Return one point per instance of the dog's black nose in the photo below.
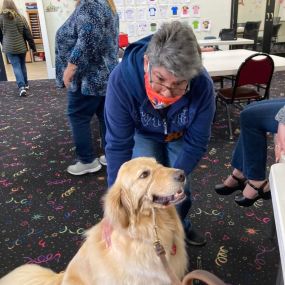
(179, 176)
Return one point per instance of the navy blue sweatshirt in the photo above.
(128, 111)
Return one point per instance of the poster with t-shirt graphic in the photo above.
(152, 11)
(139, 18)
(205, 25)
(130, 14)
(153, 27)
(150, 14)
(163, 11)
(141, 14)
(185, 11)
(195, 25)
(195, 11)
(132, 29)
(142, 28)
(174, 11)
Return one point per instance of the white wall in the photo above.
(281, 12)
(53, 13)
(252, 10)
(136, 19)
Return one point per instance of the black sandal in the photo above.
(247, 202)
(222, 189)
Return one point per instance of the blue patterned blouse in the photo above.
(88, 39)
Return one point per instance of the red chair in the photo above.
(123, 43)
(123, 40)
(252, 83)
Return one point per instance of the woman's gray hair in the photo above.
(174, 46)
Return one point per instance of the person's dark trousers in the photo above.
(18, 62)
(80, 110)
(250, 153)
(3, 75)
(166, 154)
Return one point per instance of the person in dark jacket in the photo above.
(14, 33)
(160, 103)
(86, 52)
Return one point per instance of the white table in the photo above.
(218, 42)
(277, 187)
(227, 62)
(240, 30)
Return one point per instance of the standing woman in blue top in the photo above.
(160, 103)
(86, 53)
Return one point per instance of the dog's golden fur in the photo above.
(141, 186)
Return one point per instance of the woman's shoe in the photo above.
(222, 189)
(247, 202)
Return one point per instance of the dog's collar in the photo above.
(157, 244)
(160, 251)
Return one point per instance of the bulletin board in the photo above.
(139, 18)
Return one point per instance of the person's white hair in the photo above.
(174, 46)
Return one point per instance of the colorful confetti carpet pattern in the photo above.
(45, 211)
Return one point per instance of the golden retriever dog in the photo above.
(139, 204)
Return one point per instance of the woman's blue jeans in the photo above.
(166, 154)
(80, 111)
(18, 62)
(250, 153)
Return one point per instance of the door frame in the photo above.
(268, 22)
(46, 43)
(268, 25)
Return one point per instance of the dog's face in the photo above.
(142, 183)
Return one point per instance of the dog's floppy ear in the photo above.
(115, 211)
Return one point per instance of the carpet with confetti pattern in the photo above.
(45, 210)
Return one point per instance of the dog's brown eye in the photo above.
(145, 174)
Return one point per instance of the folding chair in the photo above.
(252, 83)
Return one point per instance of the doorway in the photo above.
(264, 21)
(35, 62)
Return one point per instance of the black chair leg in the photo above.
(229, 121)
(222, 82)
(216, 101)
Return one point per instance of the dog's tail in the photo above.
(32, 275)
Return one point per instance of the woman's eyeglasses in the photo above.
(178, 90)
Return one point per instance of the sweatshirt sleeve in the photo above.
(89, 27)
(1, 27)
(198, 134)
(28, 35)
(120, 125)
(1, 36)
(280, 117)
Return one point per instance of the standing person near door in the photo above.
(86, 53)
(14, 33)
